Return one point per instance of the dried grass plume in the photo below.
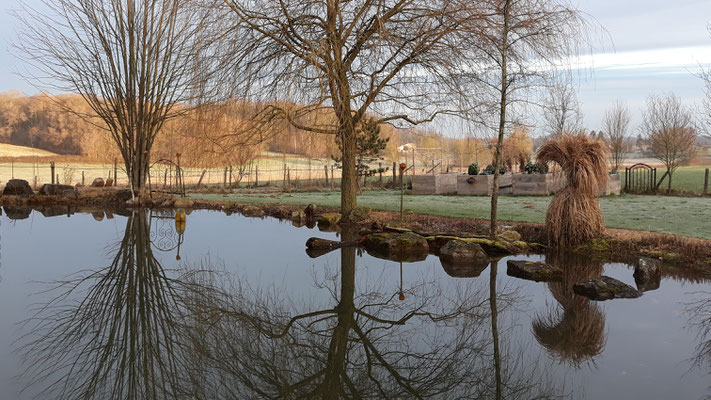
(574, 214)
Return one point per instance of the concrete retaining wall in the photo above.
(482, 185)
(613, 185)
(434, 184)
(537, 184)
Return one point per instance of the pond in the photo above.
(101, 305)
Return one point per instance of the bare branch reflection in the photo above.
(111, 332)
(369, 344)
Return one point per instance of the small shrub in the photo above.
(489, 170)
(473, 169)
(536, 168)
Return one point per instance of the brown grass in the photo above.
(575, 330)
(574, 215)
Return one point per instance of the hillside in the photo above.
(9, 150)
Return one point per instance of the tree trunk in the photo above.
(669, 180)
(502, 121)
(349, 185)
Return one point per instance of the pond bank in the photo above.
(618, 245)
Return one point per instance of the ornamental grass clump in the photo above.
(574, 215)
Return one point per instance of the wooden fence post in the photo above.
(224, 179)
(325, 170)
(256, 176)
(201, 176)
(380, 171)
(51, 167)
(115, 171)
(706, 182)
(394, 173)
(82, 178)
(288, 179)
(230, 177)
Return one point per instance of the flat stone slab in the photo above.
(605, 288)
(533, 271)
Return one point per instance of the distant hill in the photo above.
(703, 140)
(9, 150)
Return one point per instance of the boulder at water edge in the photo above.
(17, 187)
(648, 274)
(49, 189)
(533, 271)
(98, 182)
(605, 288)
(406, 246)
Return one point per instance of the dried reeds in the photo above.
(574, 215)
(574, 331)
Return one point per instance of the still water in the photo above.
(225, 307)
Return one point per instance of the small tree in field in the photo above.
(671, 135)
(132, 61)
(615, 124)
(369, 146)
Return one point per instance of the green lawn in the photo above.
(687, 179)
(676, 215)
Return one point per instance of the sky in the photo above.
(649, 47)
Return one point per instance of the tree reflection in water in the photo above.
(135, 330)
(113, 332)
(699, 314)
(573, 331)
(369, 344)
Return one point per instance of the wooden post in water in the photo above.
(706, 182)
(51, 168)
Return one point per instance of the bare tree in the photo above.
(132, 61)
(394, 59)
(615, 123)
(517, 38)
(561, 109)
(670, 131)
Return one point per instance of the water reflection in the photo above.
(113, 332)
(699, 314)
(574, 330)
(136, 330)
(415, 342)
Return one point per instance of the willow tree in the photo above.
(521, 42)
(132, 61)
(394, 59)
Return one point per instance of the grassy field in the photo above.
(9, 150)
(686, 179)
(675, 215)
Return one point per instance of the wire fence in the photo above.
(165, 175)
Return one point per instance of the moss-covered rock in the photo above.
(183, 202)
(328, 219)
(648, 274)
(252, 211)
(461, 252)
(407, 246)
(510, 235)
(358, 214)
(491, 247)
(533, 271)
